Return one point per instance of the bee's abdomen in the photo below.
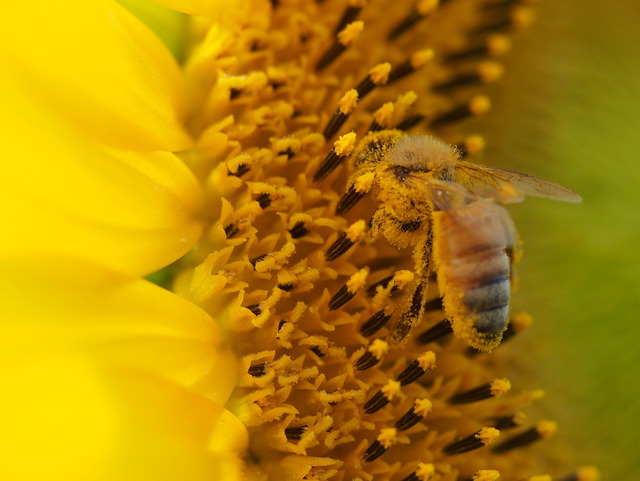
(480, 292)
(490, 302)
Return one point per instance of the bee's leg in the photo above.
(400, 233)
(413, 308)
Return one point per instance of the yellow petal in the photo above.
(66, 196)
(99, 68)
(101, 377)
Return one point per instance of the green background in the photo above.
(569, 110)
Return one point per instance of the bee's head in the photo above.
(420, 154)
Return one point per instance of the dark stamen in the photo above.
(348, 200)
(373, 288)
(255, 260)
(330, 55)
(366, 361)
(317, 350)
(374, 451)
(337, 120)
(408, 420)
(349, 15)
(257, 370)
(433, 305)
(508, 422)
(463, 80)
(523, 439)
(374, 323)
(410, 122)
(231, 230)
(377, 402)
(406, 24)
(339, 247)
(295, 434)
(264, 200)
(298, 230)
(255, 308)
(412, 372)
(440, 330)
(340, 298)
(459, 113)
(330, 162)
(464, 445)
(472, 395)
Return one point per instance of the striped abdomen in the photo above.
(470, 246)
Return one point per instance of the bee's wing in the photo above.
(445, 195)
(507, 186)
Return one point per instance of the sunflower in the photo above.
(271, 357)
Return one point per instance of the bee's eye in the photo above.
(401, 172)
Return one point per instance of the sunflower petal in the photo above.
(64, 195)
(101, 375)
(99, 68)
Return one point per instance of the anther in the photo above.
(480, 438)
(346, 106)
(508, 422)
(381, 445)
(374, 323)
(409, 66)
(375, 352)
(346, 36)
(478, 105)
(341, 148)
(485, 475)
(350, 14)
(382, 397)
(257, 370)
(491, 389)
(298, 230)
(295, 433)
(417, 368)
(423, 472)
(584, 473)
(422, 10)
(414, 415)
(542, 430)
(440, 330)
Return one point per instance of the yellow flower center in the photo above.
(286, 99)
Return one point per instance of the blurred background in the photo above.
(569, 110)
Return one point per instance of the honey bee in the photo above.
(448, 211)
